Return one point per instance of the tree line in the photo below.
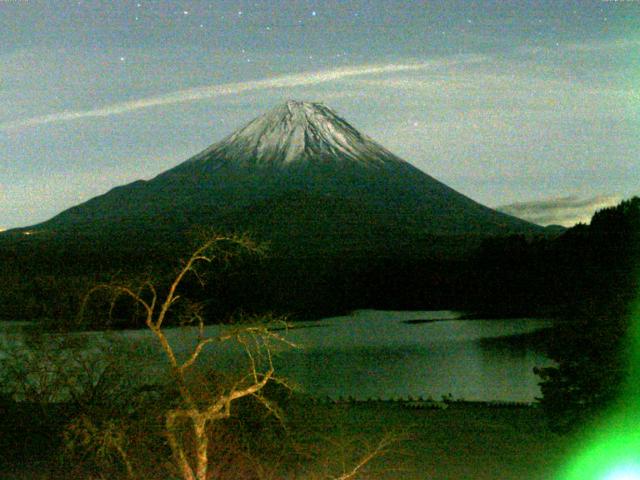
(44, 278)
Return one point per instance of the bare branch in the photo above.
(259, 385)
(379, 450)
(196, 352)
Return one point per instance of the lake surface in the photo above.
(378, 354)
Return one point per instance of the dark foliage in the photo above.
(80, 439)
(44, 278)
(590, 345)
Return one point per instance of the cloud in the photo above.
(213, 91)
(484, 81)
(565, 211)
(606, 45)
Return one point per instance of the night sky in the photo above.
(529, 106)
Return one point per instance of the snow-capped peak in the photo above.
(297, 132)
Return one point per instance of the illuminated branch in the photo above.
(380, 449)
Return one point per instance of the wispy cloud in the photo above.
(485, 80)
(565, 211)
(599, 46)
(213, 91)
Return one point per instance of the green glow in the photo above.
(626, 472)
(613, 450)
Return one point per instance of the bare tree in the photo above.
(257, 340)
(189, 423)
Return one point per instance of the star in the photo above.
(186, 12)
(313, 14)
(122, 59)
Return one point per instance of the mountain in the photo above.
(299, 176)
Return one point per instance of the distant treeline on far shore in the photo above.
(46, 278)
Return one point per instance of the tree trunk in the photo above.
(183, 465)
(202, 446)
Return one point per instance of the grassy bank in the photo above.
(464, 441)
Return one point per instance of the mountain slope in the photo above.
(296, 174)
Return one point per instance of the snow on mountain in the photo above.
(298, 132)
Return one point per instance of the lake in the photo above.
(378, 354)
(374, 354)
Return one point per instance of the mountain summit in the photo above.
(298, 132)
(299, 176)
